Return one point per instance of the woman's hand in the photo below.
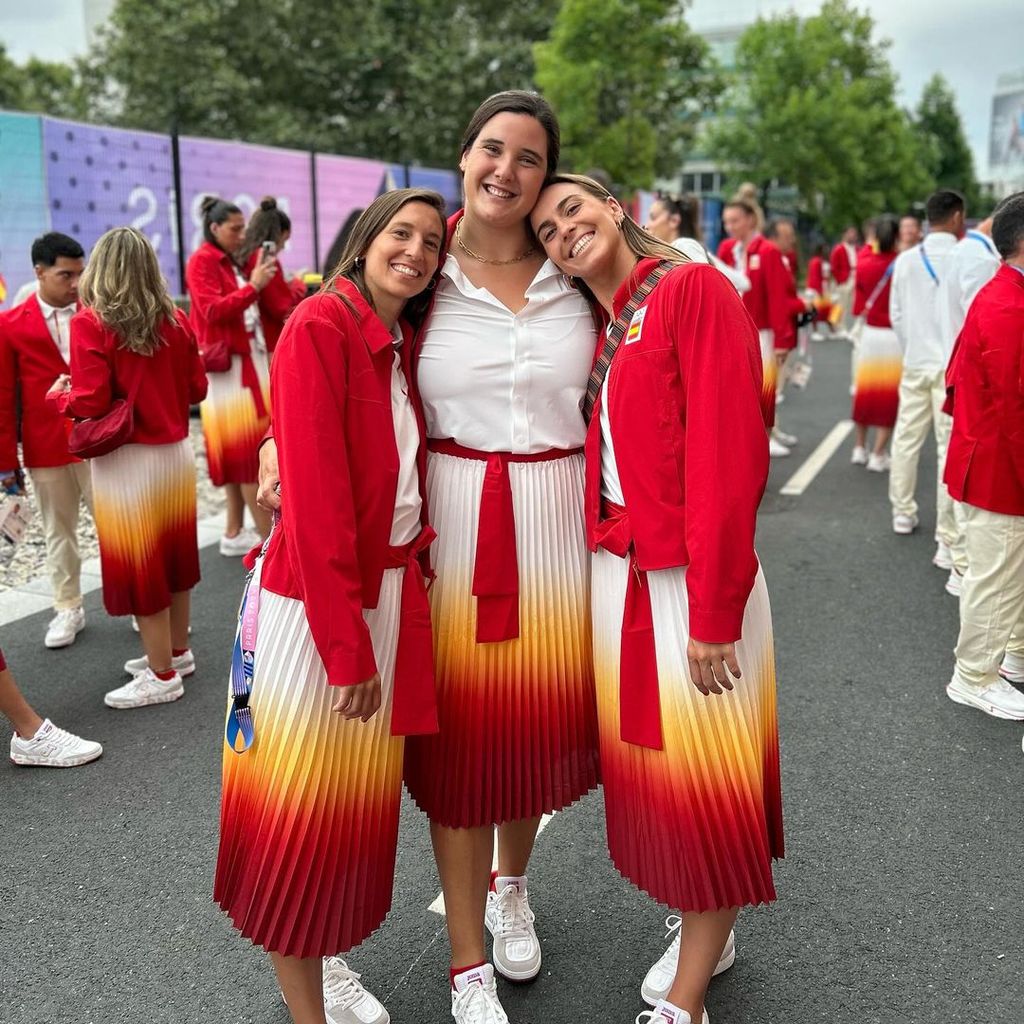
(711, 664)
(262, 273)
(59, 386)
(269, 494)
(360, 701)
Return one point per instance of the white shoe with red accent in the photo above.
(659, 978)
(183, 664)
(943, 557)
(52, 747)
(954, 584)
(144, 689)
(1012, 668)
(999, 699)
(346, 1001)
(475, 998)
(510, 921)
(666, 1013)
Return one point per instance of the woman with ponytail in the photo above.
(225, 318)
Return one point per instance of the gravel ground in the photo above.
(29, 560)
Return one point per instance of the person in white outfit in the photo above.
(973, 263)
(914, 307)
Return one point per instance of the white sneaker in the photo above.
(510, 920)
(943, 557)
(53, 748)
(904, 524)
(183, 664)
(659, 978)
(859, 455)
(783, 438)
(879, 462)
(1012, 667)
(662, 1014)
(954, 585)
(64, 627)
(145, 689)
(776, 449)
(1000, 699)
(475, 998)
(241, 544)
(345, 999)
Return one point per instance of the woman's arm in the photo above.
(91, 391)
(197, 381)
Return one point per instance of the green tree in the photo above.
(950, 161)
(813, 106)
(42, 87)
(630, 82)
(392, 79)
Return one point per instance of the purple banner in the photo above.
(101, 178)
(243, 174)
(345, 186)
(448, 183)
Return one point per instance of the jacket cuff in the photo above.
(347, 668)
(716, 627)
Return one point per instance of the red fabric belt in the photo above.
(251, 380)
(496, 564)
(414, 703)
(639, 697)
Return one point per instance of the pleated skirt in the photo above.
(697, 824)
(518, 720)
(231, 428)
(876, 391)
(309, 813)
(144, 503)
(770, 375)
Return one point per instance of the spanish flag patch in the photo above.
(636, 326)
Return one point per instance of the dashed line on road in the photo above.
(816, 461)
(437, 906)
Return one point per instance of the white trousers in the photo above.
(922, 394)
(60, 491)
(992, 599)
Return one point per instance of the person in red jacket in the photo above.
(131, 343)
(336, 622)
(271, 227)
(879, 364)
(843, 261)
(767, 302)
(819, 281)
(985, 471)
(226, 320)
(676, 465)
(35, 340)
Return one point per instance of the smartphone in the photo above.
(269, 250)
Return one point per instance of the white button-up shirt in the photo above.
(499, 381)
(405, 525)
(973, 263)
(915, 300)
(58, 321)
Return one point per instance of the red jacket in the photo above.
(278, 298)
(102, 371)
(816, 275)
(330, 388)
(840, 263)
(684, 407)
(30, 361)
(871, 268)
(218, 305)
(985, 460)
(770, 299)
(725, 248)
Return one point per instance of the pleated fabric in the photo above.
(697, 824)
(518, 720)
(144, 503)
(231, 428)
(309, 813)
(770, 375)
(876, 395)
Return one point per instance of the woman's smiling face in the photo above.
(579, 232)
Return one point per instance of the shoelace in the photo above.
(673, 923)
(649, 1017)
(515, 912)
(55, 741)
(473, 1006)
(341, 985)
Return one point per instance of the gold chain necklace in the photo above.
(480, 259)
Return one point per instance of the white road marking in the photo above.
(815, 463)
(437, 906)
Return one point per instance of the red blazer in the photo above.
(684, 407)
(102, 371)
(985, 460)
(816, 275)
(840, 262)
(871, 268)
(278, 298)
(30, 361)
(330, 389)
(725, 248)
(770, 299)
(218, 305)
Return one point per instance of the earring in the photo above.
(358, 262)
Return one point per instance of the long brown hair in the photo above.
(267, 224)
(372, 221)
(123, 284)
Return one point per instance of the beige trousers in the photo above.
(60, 490)
(992, 599)
(959, 549)
(922, 394)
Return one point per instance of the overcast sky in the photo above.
(970, 41)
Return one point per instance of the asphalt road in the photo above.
(900, 899)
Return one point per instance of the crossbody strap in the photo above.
(879, 288)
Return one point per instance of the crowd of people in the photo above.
(519, 405)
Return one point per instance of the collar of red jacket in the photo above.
(632, 282)
(376, 334)
(1012, 274)
(216, 252)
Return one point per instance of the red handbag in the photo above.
(217, 357)
(101, 435)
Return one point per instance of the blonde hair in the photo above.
(746, 199)
(122, 283)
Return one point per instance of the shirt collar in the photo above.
(940, 241)
(62, 311)
(541, 282)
